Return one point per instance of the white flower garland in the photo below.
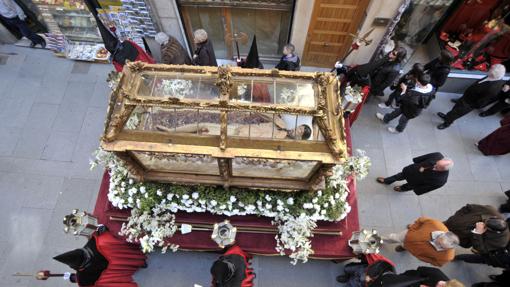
(153, 205)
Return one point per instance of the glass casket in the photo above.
(226, 126)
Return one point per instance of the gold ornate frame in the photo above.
(326, 114)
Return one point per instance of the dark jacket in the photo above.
(173, 53)
(438, 72)
(479, 95)
(464, 221)
(430, 275)
(413, 102)
(384, 75)
(289, 63)
(204, 55)
(428, 180)
(391, 279)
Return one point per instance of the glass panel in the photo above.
(179, 163)
(295, 93)
(253, 90)
(419, 20)
(178, 86)
(268, 168)
(248, 124)
(211, 20)
(271, 27)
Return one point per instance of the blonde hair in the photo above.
(200, 36)
(454, 283)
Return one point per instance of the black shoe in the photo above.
(441, 115)
(342, 279)
(454, 101)
(32, 45)
(400, 248)
(43, 44)
(443, 126)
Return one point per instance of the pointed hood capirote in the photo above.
(253, 60)
(74, 259)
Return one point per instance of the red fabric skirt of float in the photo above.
(325, 246)
(124, 260)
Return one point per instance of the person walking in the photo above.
(503, 103)
(428, 172)
(289, 61)
(439, 68)
(409, 80)
(478, 95)
(481, 227)
(204, 52)
(172, 52)
(14, 15)
(388, 69)
(426, 239)
(412, 102)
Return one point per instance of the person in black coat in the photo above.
(439, 68)
(428, 172)
(87, 261)
(289, 61)
(503, 103)
(204, 52)
(430, 275)
(386, 71)
(409, 79)
(412, 102)
(478, 95)
(479, 226)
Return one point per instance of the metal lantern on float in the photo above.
(365, 242)
(351, 99)
(224, 234)
(80, 223)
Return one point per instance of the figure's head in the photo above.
(288, 49)
(447, 240)
(161, 38)
(377, 269)
(200, 36)
(496, 224)
(398, 54)
(497, 72)
(444, 164)
(417, 69)
(302, 132)
(422, 80)
(222, 271)
(446, 57)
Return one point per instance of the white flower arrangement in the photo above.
(153, 205)
(175, 88)
(353, 94)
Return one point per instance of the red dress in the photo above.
(142, 57)
(124, 260)
(498, 142)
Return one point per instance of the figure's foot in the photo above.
(380, 116)
(400, 248)
(454, 101)
(441, 115)
(32, 45)
(342, 279)
(393, 130)
(443, 126)
(397, 188)
(380, 180)
(383, 106)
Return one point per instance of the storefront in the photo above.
(228, 21)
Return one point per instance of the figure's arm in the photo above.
(191, 128)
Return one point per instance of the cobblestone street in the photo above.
(51, 118)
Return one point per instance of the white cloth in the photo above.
(9, 9)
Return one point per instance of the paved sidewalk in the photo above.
(52, 115)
